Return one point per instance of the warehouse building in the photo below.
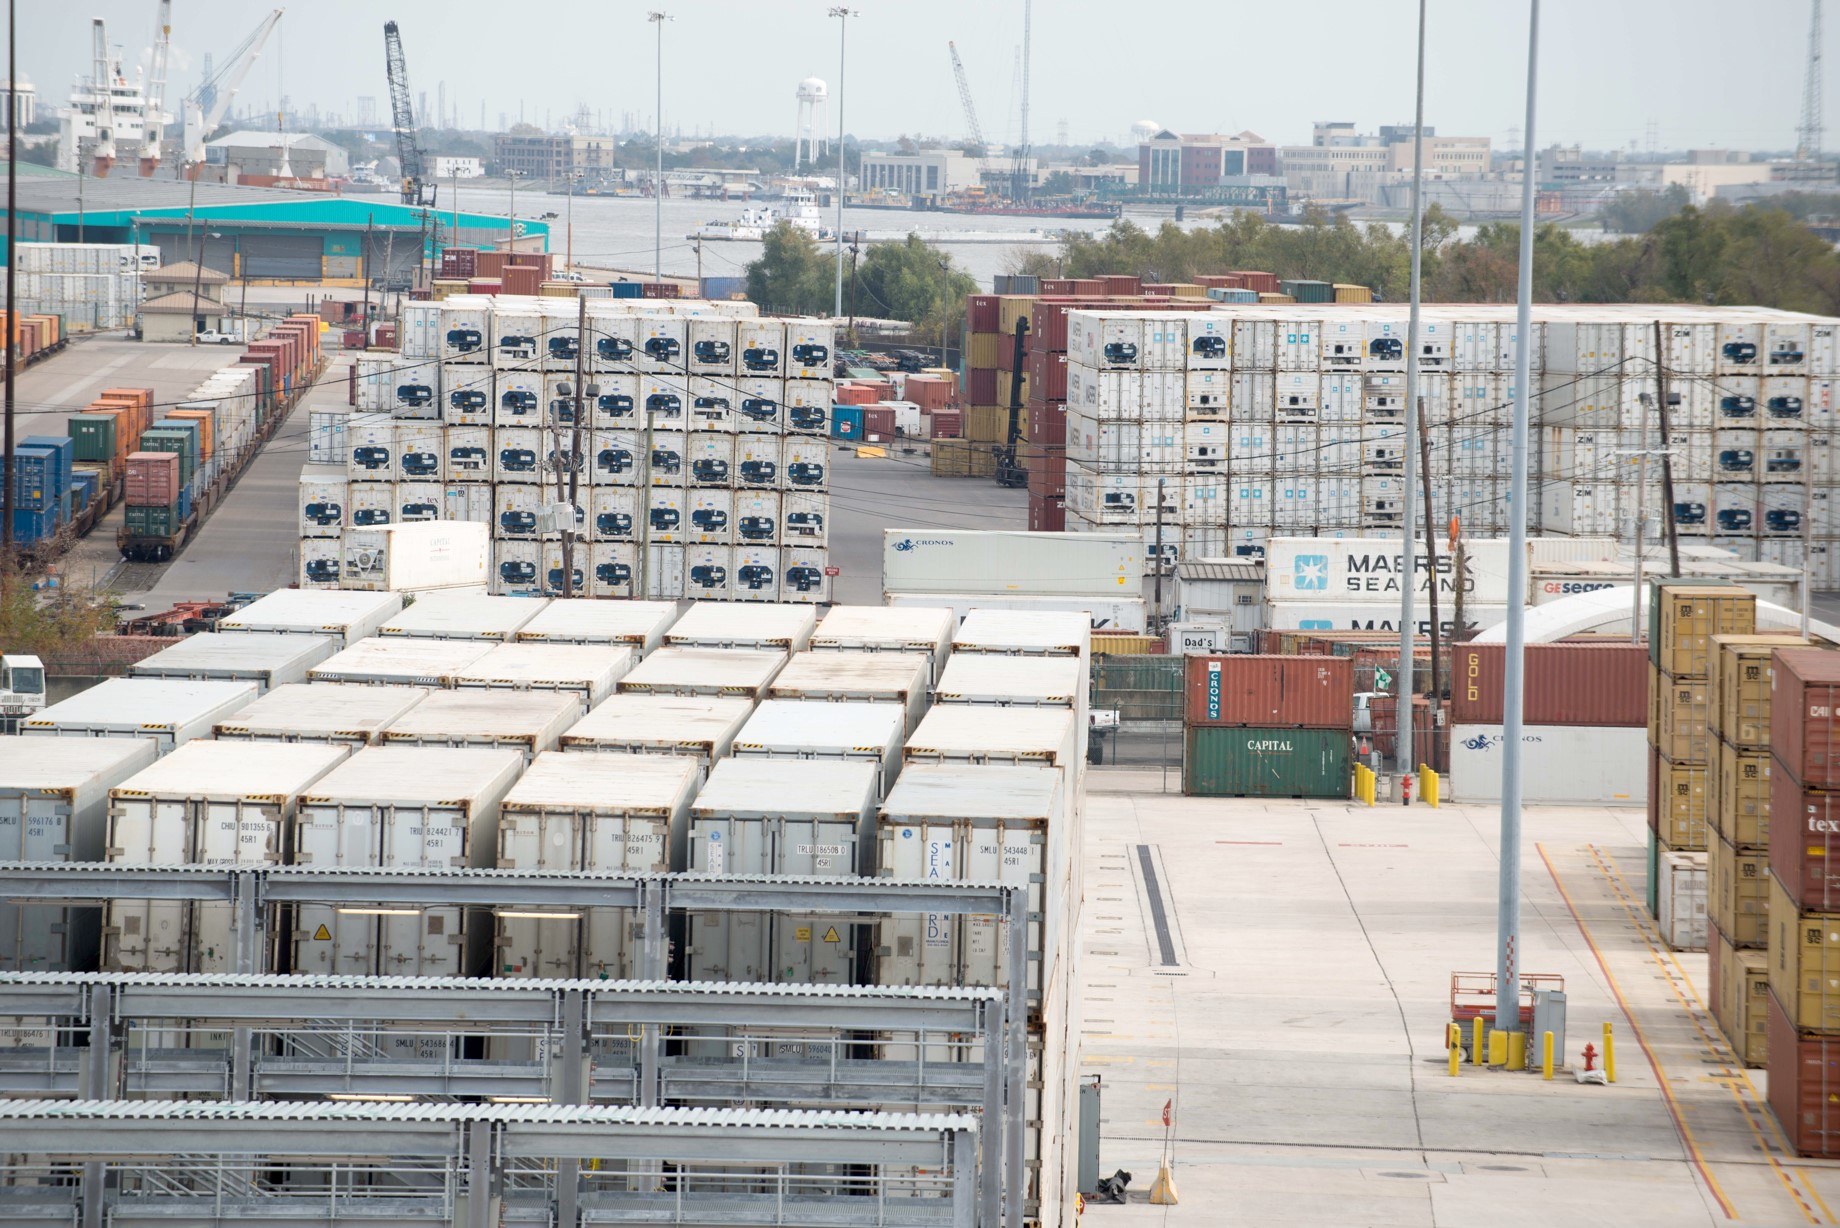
(262, 235)
(262, 157)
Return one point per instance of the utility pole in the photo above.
(1636, 621)
(365, 322)
(12, 265)
(698, 244)
(1667, 459)
(568, 531)
(851, 331)
(658, 19)
(1408, 533)
(1514, 666)
(1158, 594)
(843, 16)
(1424, 450)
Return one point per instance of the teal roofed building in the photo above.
(257, 234)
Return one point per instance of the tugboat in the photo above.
(799, 210)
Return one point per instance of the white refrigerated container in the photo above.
(345, 713)
(701, 728)
(638, 625)
(529, 721)
(587, 671)
(827, 730)
(876, 677)
(170, 711)
(874, 628)
(995, 679)
(787, 628)
(345, 616)
(464, 616)
(672, 670)
(426, 556)
(1019, 632)
(267, 660)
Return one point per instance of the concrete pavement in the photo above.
(1299, 1030)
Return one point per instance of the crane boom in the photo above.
(199, 121)
(104, 151)
(154, 126)
(402, 116)
(971, 119)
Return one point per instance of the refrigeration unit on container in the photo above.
(782, 817)
(267, 660)
(827, 730)
(588, 671)
(1024, 633)
(415, 807)
(54, 804)
(618, 814)
(400, 660)
(171, 712)
(705, 671)
(786, 628)
(529, 721)
(877, 677)
(1599, 765)
(700, 728)
(211, 803)
(1006, 681)
(1001, 561)
(869, 628)
(422, 557)
(464, 616)
(345, 713)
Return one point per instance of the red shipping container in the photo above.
(522, 281)
(1804, 1090)
(1047, 515)
(855, 394)
(1804, 730)
(981, 310)
(1805, 842)
(1278, 692)
(1048, 327)
(1089, 286)
(1048, 376)
(931, 391)
(484, 285)
(153, 478)
(1566, 684)
(1047, 470)
(981, 386)
(1264, 283)
(945, 424)
(1055, 285)
(1120, 283)
(878, 422)
(1048, 423)
(459, 262)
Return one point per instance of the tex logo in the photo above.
(1310, 573)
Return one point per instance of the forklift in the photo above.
(1010, 472)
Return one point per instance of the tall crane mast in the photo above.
(402, 117)
(204, 109)
(104, 151)
(1019, 187)
(154, 124)
(971, 119)
(1808, 132)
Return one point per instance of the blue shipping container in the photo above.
(36, 487)
(724, 287)
(846, 422)
(86, 485)
(63, 446)
(30, 528)
(627, 289)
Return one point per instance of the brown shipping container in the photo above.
(1690, 615)
(1047, 515)
(1805, 842)
(1804, 732)
(1741, 795)
(1804, 1085)
(153, 478)
(1268, 692)
(1048, 375)
(1679, 801)
(1738, 893)
(981, 312)
(1682, 717)
(878, 422)
(1739, 984)
(1566, 684)
(1741, 677)
(1120, 283)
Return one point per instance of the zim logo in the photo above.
(1310, 573)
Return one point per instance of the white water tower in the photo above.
(808, 139)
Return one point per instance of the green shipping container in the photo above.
(1309, 291)
(93, 436)
(1654, 874)
(155, 521)
(1267, 763)
(185, 443)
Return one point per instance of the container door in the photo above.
(34, 939)
(432, 942)
(149, 935)
(328, 941)
(230, 834)
(729, 946)
(915, 949)
(537, 946)
(620, 843)
(818, 949)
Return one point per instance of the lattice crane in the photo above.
(971, 119)
(415, 189)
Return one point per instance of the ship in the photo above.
(1089, 211)
(800, 211)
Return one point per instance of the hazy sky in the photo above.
(1705, 73)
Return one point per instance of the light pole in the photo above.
(658, 19)
(511, 218)
(1408, 592)
(843, 16)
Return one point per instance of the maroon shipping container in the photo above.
(1047, 468)
(1252, 279)
(981, 313)
(1805, 842)
(1055, 285)
(1047, 515)
(484, 285)
(459, 262)
(945, 424)
(1804, 732)
(152, 478)
(522, 281)
(981, 386)
(1048, 422)
(1566, 684)
(1120, 283)
(1048, 326)
(1294, 692)
(1048, 376)
(878, 422)
(1804, 1090)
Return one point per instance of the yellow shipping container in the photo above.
(989, 424)
(1740, 695)
(1116, 644)
(1188, 289)
(981, 351)
(962, 458)
(1738, 893)
(1741, 998)
(1682, 719)
(1352, 294)
(1741, 795)
(1011, 308)
(1804, 959)
(1682, 811)
(1691, 615)
(1266, 297)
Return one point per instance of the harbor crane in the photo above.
(415, 189)
(153, 130)
(971, 119)
(221, 89)
(104, 150)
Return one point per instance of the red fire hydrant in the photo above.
(1405, 789)
(1590, 1056)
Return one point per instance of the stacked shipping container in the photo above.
(1268, 726)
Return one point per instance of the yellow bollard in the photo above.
(1546, 1056)
(1609, 1055)
(1476, 1054)
(1498, 1048)
(1456, 1049)
(1517, 1050)
(1428, 786)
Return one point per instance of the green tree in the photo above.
(912, 281)
(790, 275)
(1060, 183)
(1634, 213)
